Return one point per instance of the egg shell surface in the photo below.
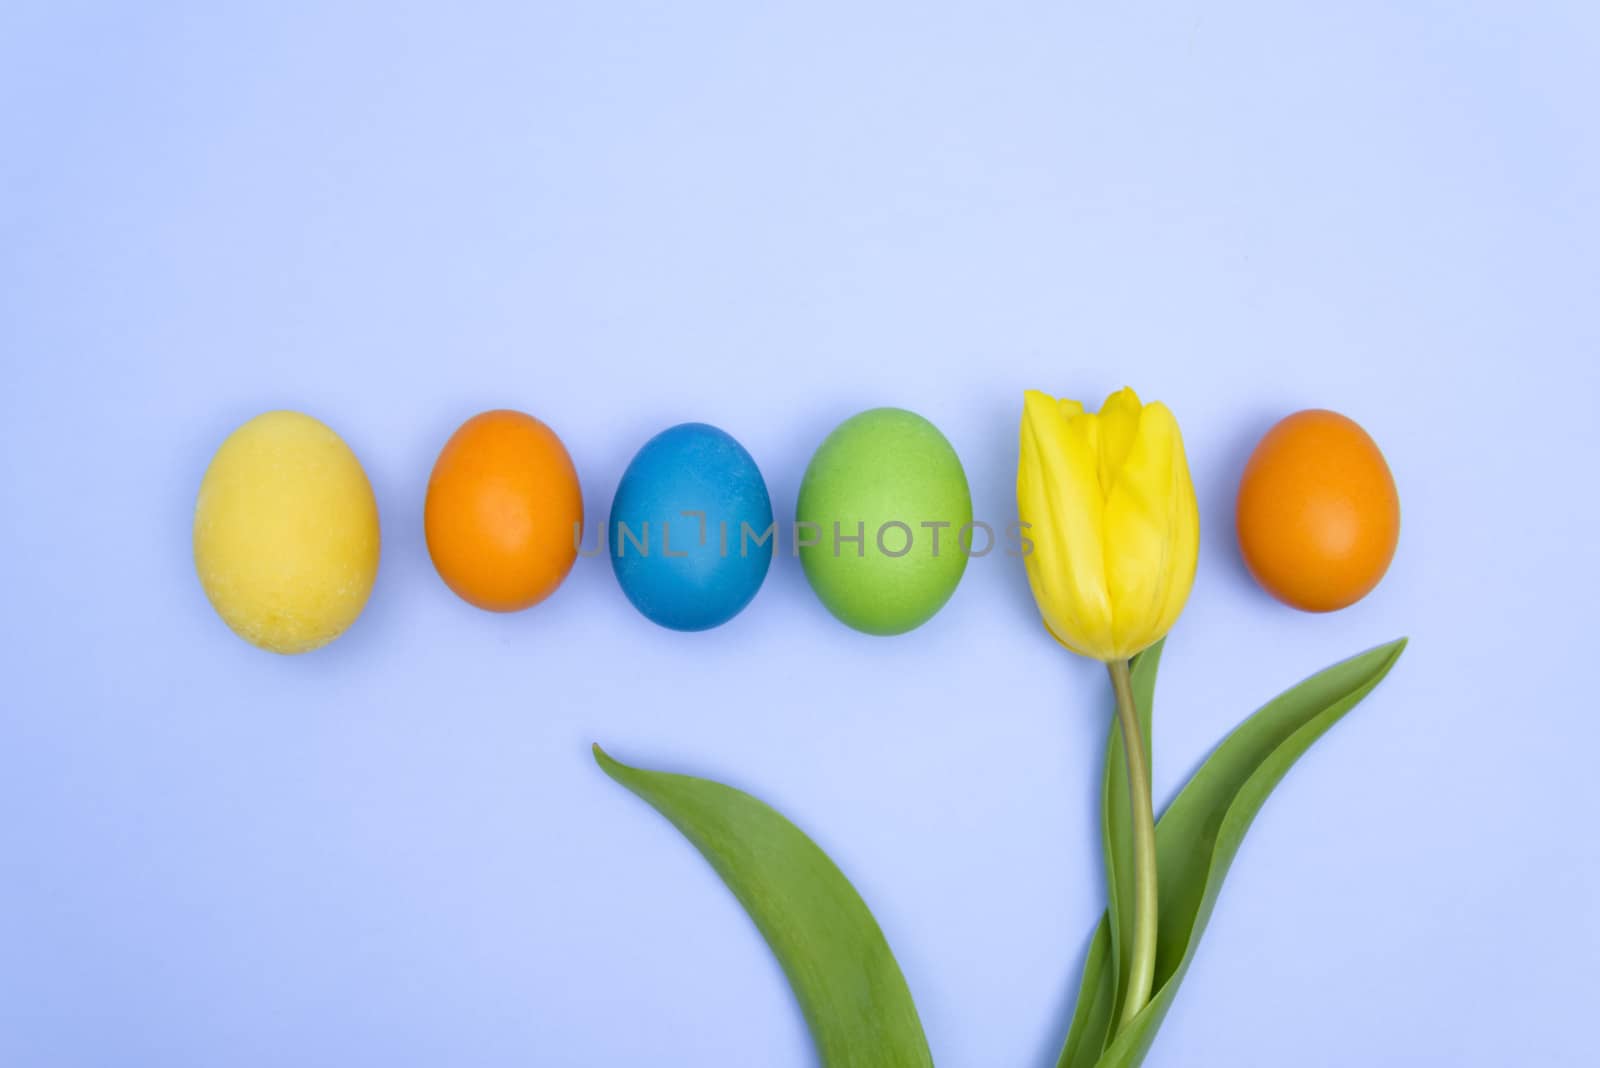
(678, 571)
(504, 511)
(286, 538)
(1318, 513)
(882, 475)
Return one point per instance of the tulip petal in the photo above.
(1153, 531)
(1042, 457)
(1119, 428)
(1058, 494)
(1184, 529)
(1137, 527)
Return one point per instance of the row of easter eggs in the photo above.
(286, 530)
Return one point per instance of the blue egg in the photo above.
(691, 533)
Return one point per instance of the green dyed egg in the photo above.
(879, 527)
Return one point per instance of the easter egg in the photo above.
(691, 533)
(286, 533)
(504, 512)
(883, 523)
(1318, 514)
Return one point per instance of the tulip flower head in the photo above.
(1112, 516)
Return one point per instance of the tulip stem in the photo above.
(1142, 962)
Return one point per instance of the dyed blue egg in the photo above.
(691, 532)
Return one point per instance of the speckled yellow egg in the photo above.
(286, 533)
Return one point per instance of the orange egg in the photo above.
(1318, 514)
(504, 512)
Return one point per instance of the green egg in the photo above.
(884, 521)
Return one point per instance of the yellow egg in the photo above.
(286, 533)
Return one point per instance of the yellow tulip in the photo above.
(1108, 506)
(1112, 516)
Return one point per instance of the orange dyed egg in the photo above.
(1318, 514)
(504, 513)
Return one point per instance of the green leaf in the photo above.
(1198, 836)
(850, 989)
(1092, 1013)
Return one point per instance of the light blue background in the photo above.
(397, 851)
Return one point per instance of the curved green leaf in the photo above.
(1091, 1014)
(1199, 834)
(852, 993)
